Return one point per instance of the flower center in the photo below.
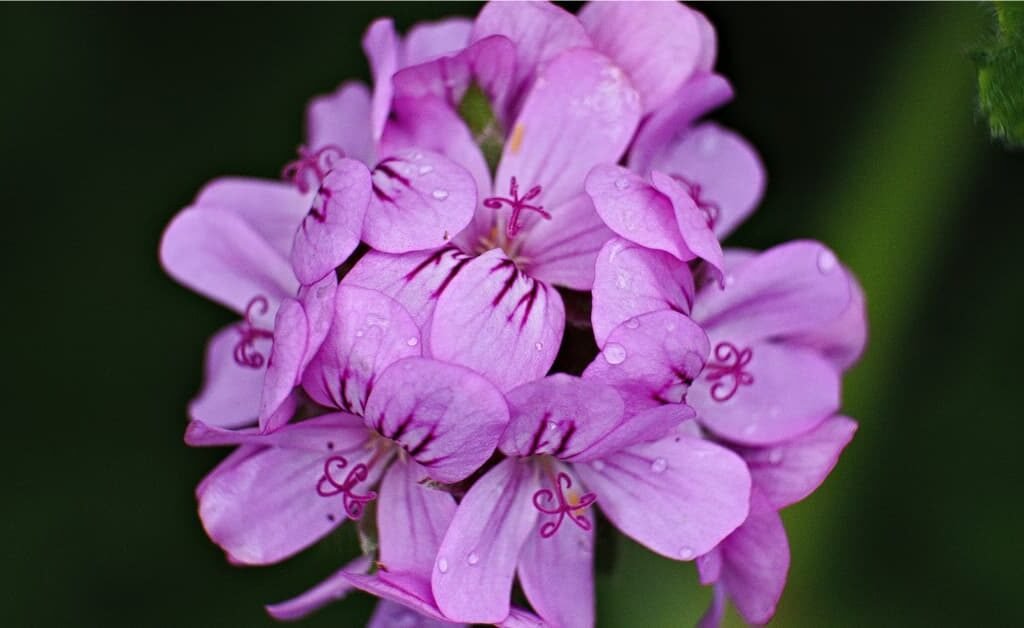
(330, 485)
(518, 204)
(710, 208)
(311, 165)
(727, 370)
(555, 502)
(245, 352)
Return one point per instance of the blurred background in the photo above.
(113, 116)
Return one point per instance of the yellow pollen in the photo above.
(516, 140)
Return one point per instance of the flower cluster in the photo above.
(525, 192)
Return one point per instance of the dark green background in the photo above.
(113, 116)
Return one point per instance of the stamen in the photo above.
(710, 208)
(329, 486)
(727, 372)
(245, 352)
(317, 163)
(517, 204)
(554, 503)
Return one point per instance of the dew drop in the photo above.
(360, 333)
(440, 194)
(775, 456)
(826, 261)
(622, 183)
(598, 465)
(412, 342)
(686, 553)
(442, 565)
(425, 169)
(614, 353)
(729, 280)
(659, 465)
(473, 558)
(632, 323)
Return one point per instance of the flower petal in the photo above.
(787, 473)
(330, 590)
(643, 427)
(559, 415)
(430, 40)
(498, 321)
(231, 392)
(330, 231)
(390, 614)
(708, 43)
(420, 201)
(713, 616)
(557, 572)
(403, 589)
(842, 341)
(519, 618)
(220, 256)
(625, 31)
(411, 520)
(651, 359)
(692, 221)
(447, 417)
(342, 119)
(722, 167)
(369, 332)
(631, 280)
(383, 48)
(562, 251)
(472, 578)
(291, 338)
(586, 117)
(790, 289)
(780, 392)
(680, 496)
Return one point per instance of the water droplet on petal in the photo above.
(729, 280)
(473, 558)
(360, 333)
(538, 346)
(440, 194)
(775, 456)
(426, 169)
(826, 261)
(659, 465)
(686, 553)
(622, 183)
(632, 323)
(614, 353)
(412, 342)
(598, 465)
(442, 565)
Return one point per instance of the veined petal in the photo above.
(420, 201)
(430, 40)
(230, 396)
(330, 231)
(581, 112)
(498, 321)
(291, 338)
(763, 393)
(651, 359)
(842, 341)
(369, 332)
(447, 417)
(791, 289)
(411, 520)
(557, 572)
(787, 473)
(220, 256)
(631, 280)
(342, 119)
(642, 427)
(472, 578)
(559, 415)
(390, 614)
(692, 220)
(407, 590)
(680, 496)
(330, 590)
(562, 251)
(383, 49)
(625, 32)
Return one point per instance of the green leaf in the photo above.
(1001, 74)
(475, 109)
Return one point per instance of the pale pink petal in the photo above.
(627, 33)
(519, 618)
(562, 251)
(430, 40)
(330, 590)
(708, 43)
(383, 48)
(407, 590)
(643, 427)
(447, 417)
(680, 496)
(231, 392)
(712, 618)
(631, 280)
(472, 578)
(498, 321)
(693, 221)
(291, 338)
(411, 520)
(342, 119)
(394, 615)
(842, 341)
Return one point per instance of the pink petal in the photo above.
(581, 112)
(643, 427)
(330, 231)
(723, 166)
(625, 31)
(790, 289)
(291, 337)
(430, 40)
(318, 304)
(231, 392)
(472, 577)
(708, 43)
(420, 201)
(842, 341)
(787, 473)
(220, 256)
(651, 359)
(406, 590)
(557, 572)
(391, 614)
(790, 390)
(519, 618)
(559, 415)
(411, 520)
(330, 590)
(447, 417)
(369, 332)
(692, 220)
(562, 251)
(342, 119)
(522, 320)
(680, 496)
(631, 280)
(382, 48)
